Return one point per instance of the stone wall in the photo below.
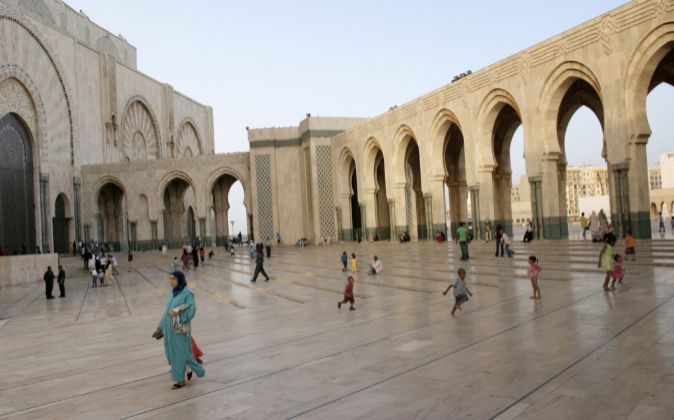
(21, 269)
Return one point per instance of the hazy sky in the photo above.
(268, 63)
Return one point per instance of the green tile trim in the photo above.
(640, 223)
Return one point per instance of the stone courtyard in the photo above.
(282, 349)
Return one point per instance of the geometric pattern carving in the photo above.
(606, 34)
(188, 144)
(14, 16)
(106, 45)
(325, 196)
(264, 196)
(138, 124)
(14, 98)
(39, 8)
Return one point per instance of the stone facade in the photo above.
(76, 88)
(125, 159)
(608, 64)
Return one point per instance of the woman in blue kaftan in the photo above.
(175, 325)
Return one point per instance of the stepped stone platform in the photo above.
(283, 350)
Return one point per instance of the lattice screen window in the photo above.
(264, 196)
(325, 197)
(409, 217)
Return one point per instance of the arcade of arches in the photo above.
(129, 175)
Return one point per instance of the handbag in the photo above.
(177, 326)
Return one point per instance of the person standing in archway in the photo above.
(462, 236)
(49, 283)
(240, 237)
(661, 228)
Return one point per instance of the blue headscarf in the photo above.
(181, 282)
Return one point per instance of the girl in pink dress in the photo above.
(534, 269)
(618, 273)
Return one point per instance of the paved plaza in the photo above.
(282, 349)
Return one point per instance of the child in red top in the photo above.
(618, 273)
(348, 295)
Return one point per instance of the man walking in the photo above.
(259, 266)
(61, 279)
(462, 236)
(49, 283)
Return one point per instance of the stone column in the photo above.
(435, 207)
(428, 207)
(551, 198)
(363, 223)
(338, 220)
(392, 218)
(638, 188)
(44, 213)
(475, 210)
(77, 187)
(202, 230)
(154, 234)
(370, 223)
(536, 192)
(400, 220)
(620, 198)
(347, 220)
(486, 201)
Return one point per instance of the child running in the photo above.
(534, 269)
(354, 264)
(630, 252)
(618, 273)
(461, 291)
(345, 260)
(606, 259)
(348, 295)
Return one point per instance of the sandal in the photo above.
(177, 385)
(189, 376)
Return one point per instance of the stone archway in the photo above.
(507, 121)
(178, 198)
(454, 159)
(220, 201)
(111, 215)
(356, 216)
(415, 215)
(17, 217)
(381, 198)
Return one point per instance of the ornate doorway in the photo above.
(17, 207)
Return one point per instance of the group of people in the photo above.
(597, 224)
(5, 251)
(611, 262)
(102, 267)
(49, 282)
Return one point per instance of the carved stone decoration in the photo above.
(11, 14)
(606, 33)
(139, 124)
(189, 142)
(39, 8)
